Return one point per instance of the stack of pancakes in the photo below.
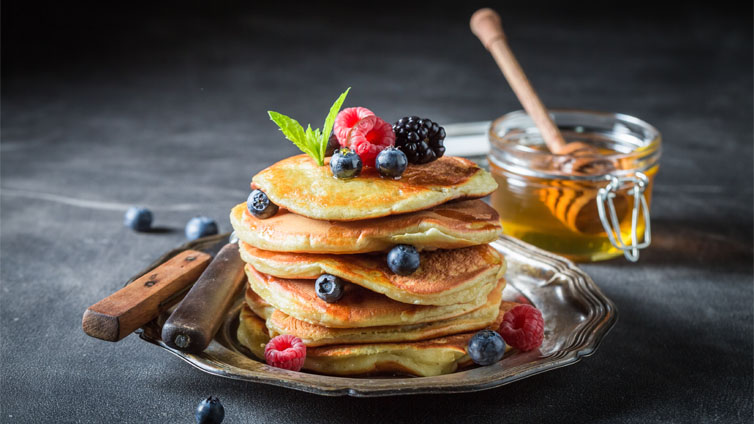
(418, 324)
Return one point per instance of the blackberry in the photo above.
(420, 139)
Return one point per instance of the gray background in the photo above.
(164, 106)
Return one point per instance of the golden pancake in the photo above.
(447, 226)
(423, 358)
(301, 186)
(358, 307)
(252, 332)
(279, 322)
(443, 278)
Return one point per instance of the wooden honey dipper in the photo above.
(575, 206)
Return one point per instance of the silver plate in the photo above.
(577, 316)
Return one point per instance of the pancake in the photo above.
(447, 226)
(424, 358)
(278, 322)
(444, 277)
(301, 186)
(358, 307)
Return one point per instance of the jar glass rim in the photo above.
(650, 142)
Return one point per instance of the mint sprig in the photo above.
(312, 142)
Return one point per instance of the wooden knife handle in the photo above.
(197, 318)
(119, 314)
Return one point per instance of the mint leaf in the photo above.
(312, 142)
(330, 121)
(293, 131)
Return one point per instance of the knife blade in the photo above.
(142, 299)
(195, 320)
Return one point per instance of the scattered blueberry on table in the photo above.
(486, 347)
(260, 205)
(138, 218)
(391, 162)
(345, 164)
(200, 226)
(209, 411)
(403, 259)
(329, 288)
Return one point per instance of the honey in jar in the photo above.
(542, 203)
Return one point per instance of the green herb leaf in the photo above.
(312, 142)
(330, 121)
(293, 131)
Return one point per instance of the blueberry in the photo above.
(391, 162)
(345, 164)
(486, 347)
(200, 226)
(329, 288)
(138, 218)
(403, 259)
(260, 206)
(209, 411)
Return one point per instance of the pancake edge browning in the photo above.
(435, 286)
(448, 226)
(278, 322)
(423, 358)
(298, 184)
(288, 296)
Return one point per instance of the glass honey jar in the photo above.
(584, 216)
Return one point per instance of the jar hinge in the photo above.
(612, 224)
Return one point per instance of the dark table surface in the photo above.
(165, 107)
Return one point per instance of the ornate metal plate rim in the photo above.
(223, 358)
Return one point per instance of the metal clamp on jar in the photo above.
(583, 216)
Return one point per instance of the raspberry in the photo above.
(285, 351)
(369, 137)
(523, 327)
(523, 300)
(346, 119)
